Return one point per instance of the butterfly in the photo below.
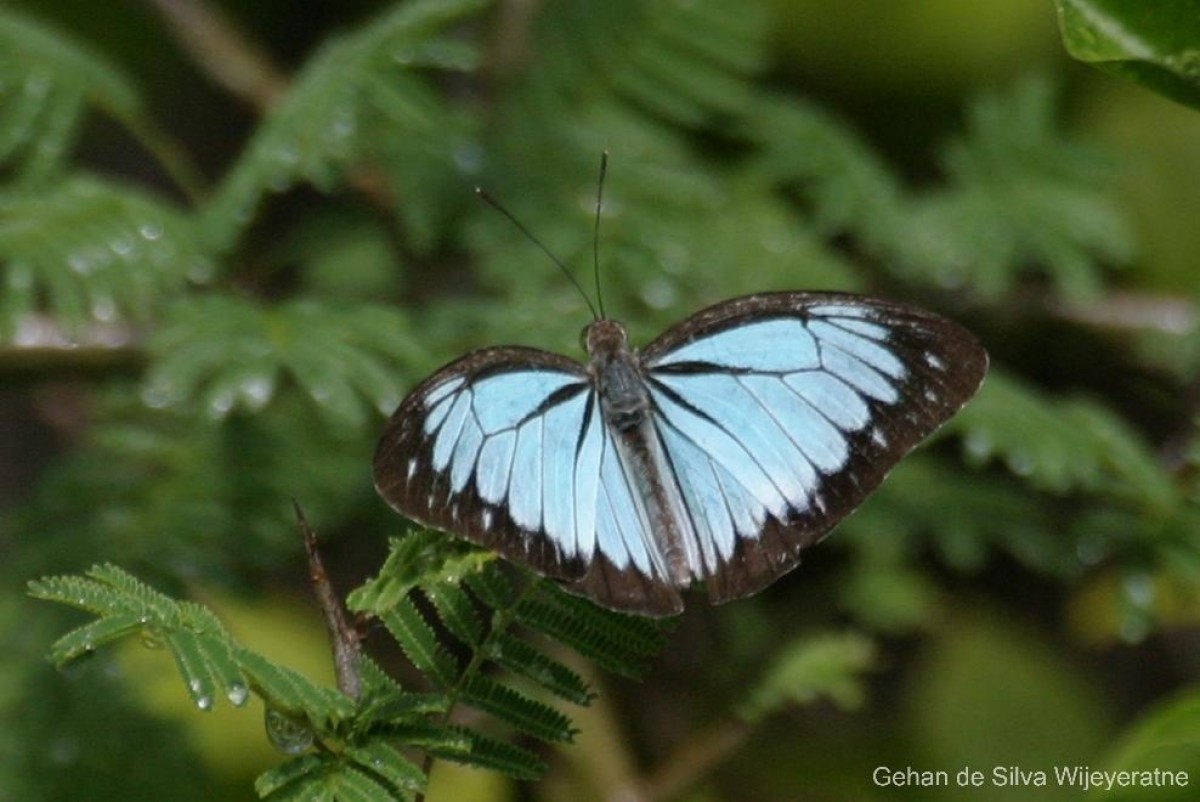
(716, 454)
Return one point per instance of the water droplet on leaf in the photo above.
(287, 734)
(238, 693)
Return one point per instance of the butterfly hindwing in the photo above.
(781, 412)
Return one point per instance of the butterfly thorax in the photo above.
(617, 375)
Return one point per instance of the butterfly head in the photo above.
(605, 338)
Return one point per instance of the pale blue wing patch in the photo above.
(561, 427)
(585, 484)
(525, 496)
(621, 526)
(781, 344)
(864, 349)
(494, 466)
(725, 449)
(730, 404)
(502, 401)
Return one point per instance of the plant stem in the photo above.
(227, 55)
(342, 637)
(690, 761)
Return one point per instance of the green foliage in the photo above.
(274, 319)
(1019, 197)
(358, 742)
(1061, 445)
(819, 666)
(352, 96)
(1165, 738)
(202, 648)
(49, 81)
(89, 251)
(1152, 44)
(229, 354)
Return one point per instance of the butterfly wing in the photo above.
(506, 447)
(779, 413)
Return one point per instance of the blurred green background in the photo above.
(226, 252)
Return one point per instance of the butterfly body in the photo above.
(718, 453)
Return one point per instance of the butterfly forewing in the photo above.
(771, 418)
(781, 412)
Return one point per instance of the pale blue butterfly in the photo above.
(716, 454)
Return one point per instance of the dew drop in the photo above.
(660, 294)
(220, 404)
(469, 158)
(152, 638)
(121, 246)
(979, 445)
(150, 231)
(104, 309)
(205, 703)
(289, 735)
(1139, 589)
(158, 395)
(344, 127)
(237, 694)
(80, 264)
(257, 390)
(1020, 463)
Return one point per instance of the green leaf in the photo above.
(472, 749)
(1060, 445)
(455, 610)
(335, 782)
(202, 649)
(49, 79)
(521, 658)
(358, 89)
(420, 644)
(377, 757)
(619, 643)
(811, 668)
(291, 692)
(296, 772)
(1167, 739)
(1021, 198)
(83, 641)
(91, 252)
(1155, 44)
(422, 557)
(232, 354)
(533, 718)
(686, 62)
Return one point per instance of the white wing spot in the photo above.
(412, 468)
(878, 437)
(486, 519)
(934, 362)
(930, 396)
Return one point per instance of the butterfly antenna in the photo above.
(495, 204)
(596, 229)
